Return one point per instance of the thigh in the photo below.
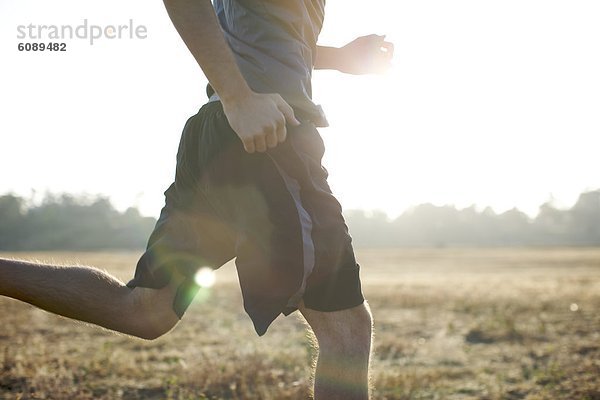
(190, 232)
(273, 255)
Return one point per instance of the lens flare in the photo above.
(205, 277)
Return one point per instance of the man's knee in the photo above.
(152, 313)
(151, 329)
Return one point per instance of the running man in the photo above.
(249, 185)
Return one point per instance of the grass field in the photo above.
(449, 324)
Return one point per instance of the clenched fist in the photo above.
(259, 120)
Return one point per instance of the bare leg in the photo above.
(344, 339)
(90, 295)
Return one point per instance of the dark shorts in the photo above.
(274, 212)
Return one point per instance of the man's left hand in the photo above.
(366, 55)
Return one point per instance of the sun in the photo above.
(205, 277)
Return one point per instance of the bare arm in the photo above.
(366, 54)
(258, 119)
(197, 24)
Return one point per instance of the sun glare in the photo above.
(205, 277)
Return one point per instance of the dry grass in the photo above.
(450, 324)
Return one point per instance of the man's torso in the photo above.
(274, 42)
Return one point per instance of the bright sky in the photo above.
(489, 103)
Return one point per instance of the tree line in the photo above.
(67, 222)
(428, 225)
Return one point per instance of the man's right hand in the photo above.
(259, 120)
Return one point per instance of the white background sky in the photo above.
(489, 103)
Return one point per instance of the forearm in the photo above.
(197, 24)
(328, 58)
(364, 55)
(259, 119)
